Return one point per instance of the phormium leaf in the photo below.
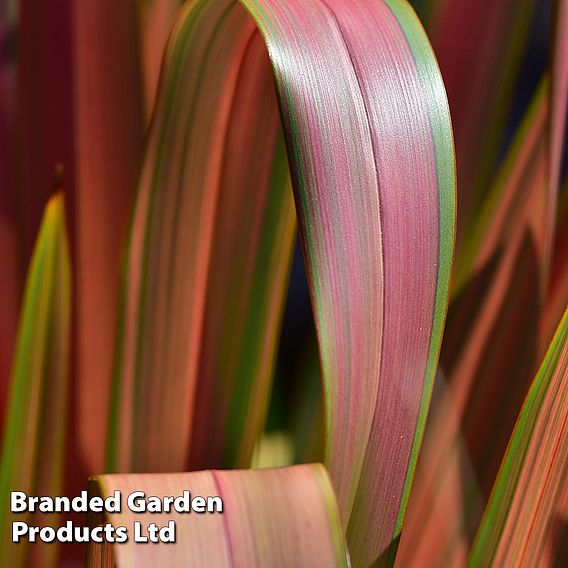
(34, 435)
(369, 141)
(532, 478)
(271, 517)
(108, 150)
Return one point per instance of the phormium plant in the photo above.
(162, 157)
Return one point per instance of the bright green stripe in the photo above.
(446, 178)
(35, 346)
(491, 527)
(31, 329)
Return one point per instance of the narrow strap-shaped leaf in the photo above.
(373, 51)
(493, 367)
(337, 199)
(171, 238)
(108, 146)
(417, 225)
(248, 275)
(444, 498)
(209, 254)
(32, 452)
(272, 517)
(534, 471)
(505, 207)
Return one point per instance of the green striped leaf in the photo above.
(208, 256)
(532, 478)
(34, 438)
(369, 142)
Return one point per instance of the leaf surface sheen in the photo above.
(369, 141)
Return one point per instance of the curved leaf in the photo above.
(368, 135)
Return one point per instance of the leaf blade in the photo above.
(533, 471)
(262, 510)
(33, 448)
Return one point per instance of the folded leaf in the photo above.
(417, 226)
(272, 517)
(369, 141)
(34, 436)
(204, 298)
(532, 478)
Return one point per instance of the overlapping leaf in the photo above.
(34, 437)
(272, 517)
(468, 464)
(250, 258)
